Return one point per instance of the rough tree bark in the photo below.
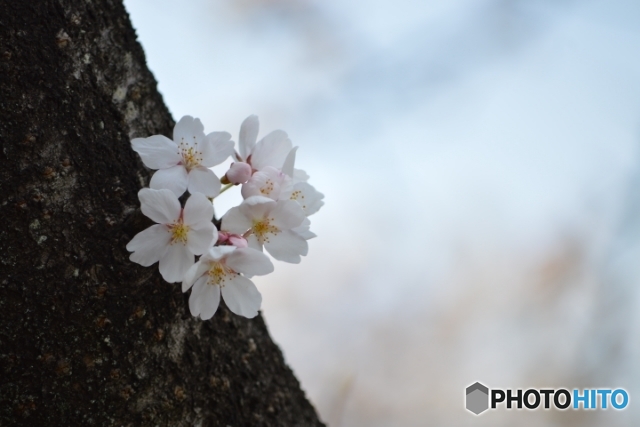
(86, 336)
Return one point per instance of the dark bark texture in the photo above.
(86, 336)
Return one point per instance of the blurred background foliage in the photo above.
(480, 164)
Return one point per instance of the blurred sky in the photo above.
(479, 161)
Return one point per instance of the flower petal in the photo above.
(234, 221)
(303, 230)
(271, 150)
(249, 262)
(242, 297)
(254, 243)
(287, 167)
(210, 298)
(149, 245)
(162, 206)
(203, 180)
(256, 207)
(197, 211)
(195, 299)
(188, 131)
(309, 198)
(174, 178)
(216, 148)
(248, 135)
(287, 246)
(287, 214)
(201, 239)
(175, 262)
(216, 253)
(193, 274)
(157, 151)
(267, 182)
(300, 176)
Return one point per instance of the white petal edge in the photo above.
(250, 262)
(242, 297)
(256, 207)
(300, 176)
(210, 300)
(216, 253)
(271, 150)
(149, 245)
(287, 246)
(174, 178)
(203, 180)
(188, 130)
(253, 243)
(216, 148)
(162, 206)
(201, 239)
(156, 151)
(175, 263)
(303, 230)
(195, 299)
(248, 135)
(193, 274)
(287, 214)
(198, 210)
(287, 167)
(311, 199)
(234, 221)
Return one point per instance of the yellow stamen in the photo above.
(191, 157)
(179, 232)
(267, 188)
(298, 197)
(219, 274)
(262, 229)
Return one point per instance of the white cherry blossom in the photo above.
(183, 163)
(271, 150)
(306, 195)
(226, 270)
(273, 216)
(269, 182)
(297, 188)
(178, 235)
(269, 223)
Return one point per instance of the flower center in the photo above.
(191, 157)
(267, 188)
(298, 197)
(219, 274)
(178, 232)
(262, 229)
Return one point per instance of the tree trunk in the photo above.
(88, 337)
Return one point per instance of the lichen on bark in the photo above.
(86, 336)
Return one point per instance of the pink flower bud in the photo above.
(223, 237)
(238, 241)
(239, 173)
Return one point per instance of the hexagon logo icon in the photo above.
(477, 400)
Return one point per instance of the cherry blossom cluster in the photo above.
(189, 248)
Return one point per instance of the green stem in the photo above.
(225, 188)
